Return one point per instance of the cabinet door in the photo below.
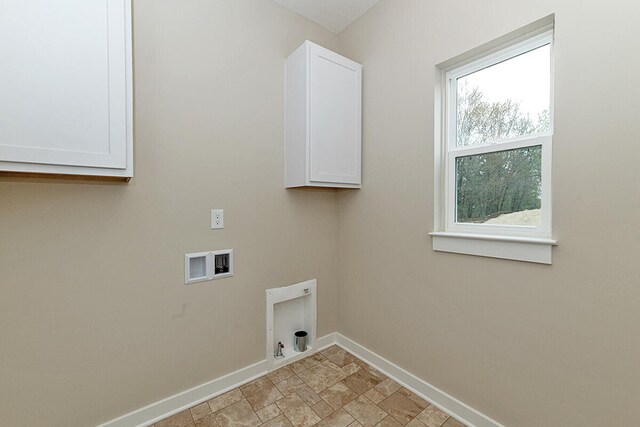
(335, 118)
(64, 82)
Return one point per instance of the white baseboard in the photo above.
(432, 394)
(326, 341)
(179, 402)
(164, 408)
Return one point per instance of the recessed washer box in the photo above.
(204, 266)
(290, 309)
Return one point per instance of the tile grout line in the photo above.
(360, 394)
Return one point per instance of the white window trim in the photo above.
(522, 243)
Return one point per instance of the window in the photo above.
(494, 167)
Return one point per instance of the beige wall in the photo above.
(529, 345)
(95, 319)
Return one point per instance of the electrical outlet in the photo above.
(217, 219)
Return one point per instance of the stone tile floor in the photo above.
(330, 388)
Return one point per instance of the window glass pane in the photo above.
(507, 100)
(503, 187)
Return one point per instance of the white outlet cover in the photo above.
(217, 219)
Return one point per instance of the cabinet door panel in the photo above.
(64, 82)
(335, 128)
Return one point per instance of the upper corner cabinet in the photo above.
(66, 85)
(323, 141)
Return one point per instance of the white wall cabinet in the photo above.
(66, 85)
(323, 119)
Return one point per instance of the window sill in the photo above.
(515, 248)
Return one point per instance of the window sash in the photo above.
(542, 39)
(513, 144)
(541, 230)
(452, 152)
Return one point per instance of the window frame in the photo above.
(498, 240)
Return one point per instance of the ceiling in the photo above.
(334, 15)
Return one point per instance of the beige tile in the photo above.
(297, 367)
(322, 376)
(290, 385)
(337, 353)
(225, 400)
(304, 364)
(318, 357)
(309, 396)
(341, 358)
(331, 351)
(377, 374)
(255, 386)
(239, 414)
(388, 387)
(268, 412)
(361, 381)
(338, 395)
(323, 409)
(389, 421)
(200, 411)
(298, 412)
(325, 392)
(432, 417)
(280, 421)
(452, 422)
(419, 401)
(265, 396)
(339, 418)
(181, 419)
(365, 411)
(329, 364)
(351, 368)
(374, 396)
(290, 403)
(401, 407)
(280, 374)
(361, 363)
